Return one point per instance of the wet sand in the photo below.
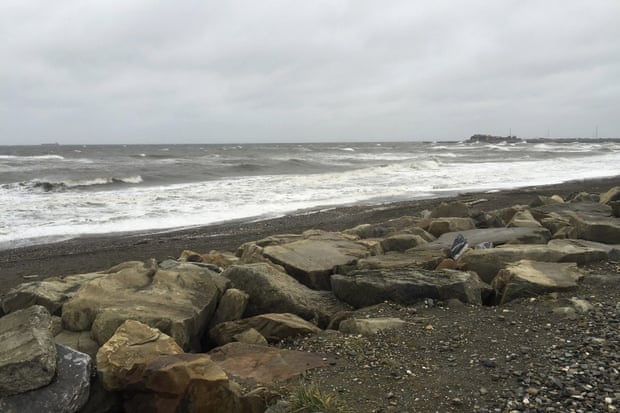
(95, 253)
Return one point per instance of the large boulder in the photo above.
(272, 291)
(121, 360)
(185, 383)
(312, 260)
(599, 229)
(523, 218)
(274, 327)
(407, 286)
(27, 351)
(438, 226)
(231, 307)
(401, 242)
(266, 365)
(178, 301)
(78, 340)
(610, 196)
(527, 278)
(427, 259)
(496, 236)
(51, 293)
(68, 391)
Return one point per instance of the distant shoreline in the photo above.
(95, 253)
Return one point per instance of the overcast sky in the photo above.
(138, 71)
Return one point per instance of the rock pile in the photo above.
(183, 332)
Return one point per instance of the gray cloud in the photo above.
(196, 71)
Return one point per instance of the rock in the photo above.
(273, 291)
(250, 336)
(274, 327)
(80, 341)
(27, 351)
(599, 229)
(232, 306)
(452, 209)
(190, 256)
(68, 391)
(427, 259)
(612, 195)
(401, 242)
(541, 200)
(498, 236)
(522, 219)
(447, 264)
(615, 208)
(439, 226)
(121, 360)
(584, 197)
(528, 278)
(221, 259)
(406, 286)
(365, 231)
(370, 326)
(579, 251)
(179, 301)
(312, 261)
(266, 365)
(184, 383)
(51, 293)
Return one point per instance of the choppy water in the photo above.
(50, 193)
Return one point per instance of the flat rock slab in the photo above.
(266, 365)
(427, 259)
(498, 236)
(527, 278)
(179, 301)
(407, 286)
(68, 391)
(27, 351)
(312, 261)
(273, 291)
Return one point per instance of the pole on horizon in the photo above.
(596, 132)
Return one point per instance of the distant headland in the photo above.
(493, 138)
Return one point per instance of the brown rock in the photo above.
(231, 307)
(439, 226)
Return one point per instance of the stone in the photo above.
(273, 291)
(612, 195)
(427, 259)
(274, 327)
(579, 251)
(266, 365)
(51, 293)
(370, 326)
(312, 261)
(527, 278)
(541, 200)
(439, 226)
(27, 351)
(179, 301)
(190, 256)
(522, 219)
(184, 383)
(599, 229)
(219, 258)
(80, 341)
(121, 360)
(68, 391)
(498, 236)
(451, 209)
(407, 286)
(250, 336)
(232, 306)
(401, 242)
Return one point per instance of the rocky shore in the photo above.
(497, 302)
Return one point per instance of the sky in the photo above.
(204, 71)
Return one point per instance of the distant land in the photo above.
(512, 139)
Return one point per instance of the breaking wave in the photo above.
(51, 186)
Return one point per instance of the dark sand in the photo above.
(87, 254)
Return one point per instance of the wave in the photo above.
(34, 158)
(51, 186)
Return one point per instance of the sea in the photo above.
(50, 193)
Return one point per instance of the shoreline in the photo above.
(99, 252)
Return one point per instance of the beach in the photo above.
(96, 253)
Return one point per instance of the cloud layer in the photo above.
(240, 71)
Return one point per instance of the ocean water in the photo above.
(50, 193)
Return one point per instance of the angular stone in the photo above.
(250, 336)
(452, 209)
(522, 219)
(401, 242)
(121, 360)
(605, 230)
(266, 365)
(27, 351)
(232, 306)
(80, 341)
(579, 251)
(541, 200)
(272, 291)
(184, 382)
(179, 301)
(527, 278)
(312, 261)
(612, 195)
(68, 391)
(407, 286)
(439, 226)
(274, 327)
(497, 236)
(51, 293)
(427, 259)
(370, 326)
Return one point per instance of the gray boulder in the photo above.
(427, 259)
(497, 236)
(27, 351)
(401, 242)
(407, 286)
(272, 291)
(179, 301)
(527, 278)
(599, 229)
(68, 392)
(311, 261)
